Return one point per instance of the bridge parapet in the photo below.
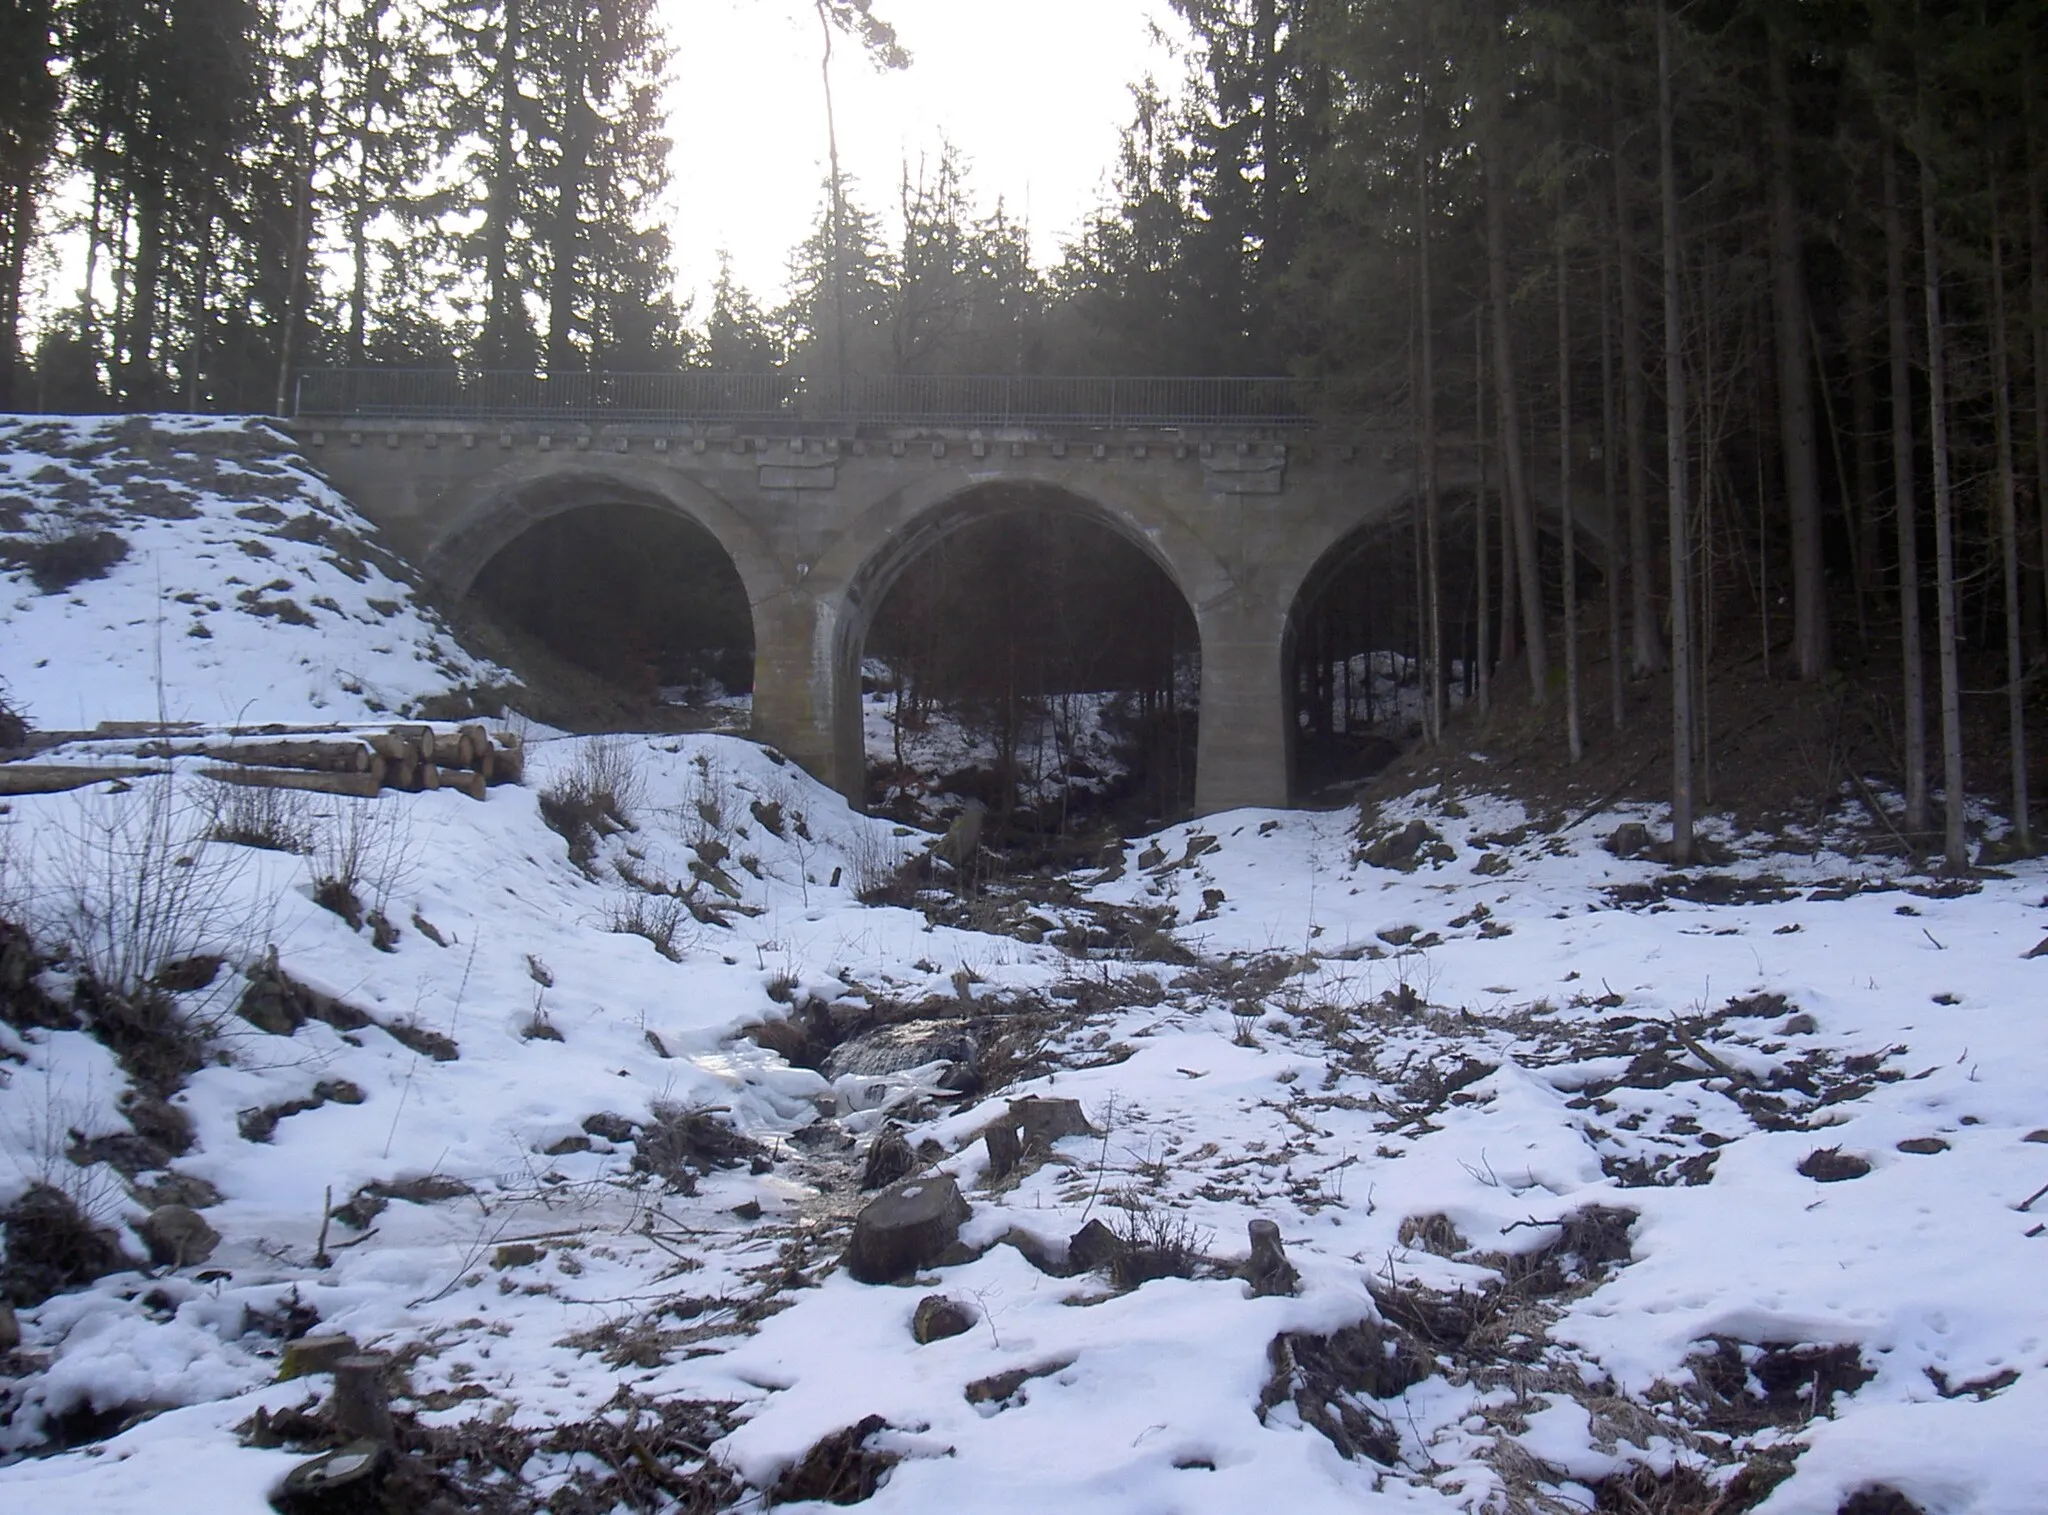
(854, 405)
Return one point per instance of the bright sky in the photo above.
(1034, 94)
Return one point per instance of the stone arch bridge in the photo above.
(1229, 486)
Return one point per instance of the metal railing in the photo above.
(786, 399)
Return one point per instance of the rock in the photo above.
(937, 1318)
(567, 1145)
(2035, 1136)
(889, 1159)
(10, 1328)
(1409, 848)
(841, 1469)
(1268, 1270)
(1801, 1024)
(2039, 949)
(1630, 839)
(1093, 1246)
(748, 1209)
(177, 1236)
(178, 1189)
(516, 1254)
(905, 1228)
(1923, 1146)
(608, 1127)
(314, 1354)
(1831, 1165)
(902, 1045)
(1151, 857)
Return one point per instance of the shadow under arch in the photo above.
(955, 517)
(637, 577)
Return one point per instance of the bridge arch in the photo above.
(694, 582)
(854, 578)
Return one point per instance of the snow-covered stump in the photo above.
(1268, 1270)
(905, 1228)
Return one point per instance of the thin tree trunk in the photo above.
(1433, 626)
(566, 233)
(2009, 530)
(1795, 383)
(1955, 850)
(1648, 640)
(1616, 556)
(2037, 308)
(1526, 558)
(1575, 737)
(1675, 464)
(837, 270)
(501, 199)
(1913, 662)
(1479, 512)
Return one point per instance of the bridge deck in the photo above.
(780, 400)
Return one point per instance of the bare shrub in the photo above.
(130, 889)
(275, 820)
(63, 552)
(662, 919)
(872, 861)
(1154, 1242)
(596, 796)
(362, 855)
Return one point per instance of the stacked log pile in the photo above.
(413, 757)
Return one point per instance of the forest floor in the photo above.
(1600, 1185)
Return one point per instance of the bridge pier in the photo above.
(1241, 755)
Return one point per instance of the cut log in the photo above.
(320, 757)
(429, 776)
(361, 785)
(471, 784)
(54, 778)
(508, 759)
(476, 744)
(905, 1228)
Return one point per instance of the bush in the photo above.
(276, 820)
(56, 560)
(595, 796)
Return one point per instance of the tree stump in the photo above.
(1004, 1150)
(1047, 1120)
(1268, 1269)
(889, 1159)
(362, 1399)
(905, 1228)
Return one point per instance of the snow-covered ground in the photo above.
(1602, 1183)
(245, 589)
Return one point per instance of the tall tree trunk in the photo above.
(2037, 308)
(1913, 660)
(1863, 451)
(837, 271)
(1648, 638)
(1480, 507)
(16, 230)
(359, 258)
(1795, 382)
(1955, 851)
(138, 382)
(1575, 737)
(1433, 623)
(1519, 503)
(2009, 530)
(1617, 558)
(565, 233)
(501, 202)
(1675, 463)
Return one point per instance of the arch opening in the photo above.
(1353, 660)
(1021, 647)
(616, 612)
